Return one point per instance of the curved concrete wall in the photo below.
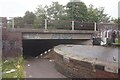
(85, 63)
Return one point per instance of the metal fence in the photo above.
(60, 25)
(69, 25)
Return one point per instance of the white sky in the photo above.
(14, 8)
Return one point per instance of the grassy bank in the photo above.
(13, 68)
(117, 41)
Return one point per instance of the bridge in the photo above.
(32, 42)
(37, 40)
(54, 34)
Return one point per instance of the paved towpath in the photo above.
(41, 68)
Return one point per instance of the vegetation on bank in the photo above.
(13, 68)
(118, 41)
(0, 69)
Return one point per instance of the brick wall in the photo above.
(79, 69)
(12, 43)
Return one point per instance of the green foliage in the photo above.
(76, 11)
(97, 14)
(116, 20)
(12, 64)
(55, 11)
(118, 41)
(29, 17)
(38, 23)
(19, 23)
(40, 12)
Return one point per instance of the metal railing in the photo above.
(60, 25)
(70, 25)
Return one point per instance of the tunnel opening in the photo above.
(33, 48)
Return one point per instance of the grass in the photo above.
(0, 69)
(16, 64)
(118, 41)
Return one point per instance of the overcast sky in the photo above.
(14, 8)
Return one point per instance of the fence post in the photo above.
(45, 24)
(13, 23)
(73, 27)
(95, 26)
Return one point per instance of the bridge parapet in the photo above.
(60, 25)
(52, 34)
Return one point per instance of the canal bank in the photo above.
(86, 61)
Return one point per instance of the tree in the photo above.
(76, 11)
(51, 12)
(41, 15)
(41, 12)
(115, 20)
(29, 17)
(18, 21)
(55, 11)
(97, 14)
